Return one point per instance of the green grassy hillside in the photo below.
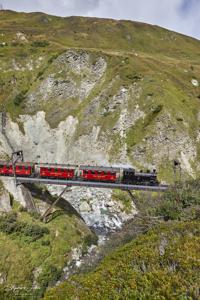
(160, 258)
(33, 254)
(163, 264)
(102, 34)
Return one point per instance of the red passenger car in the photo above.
(103, 174)
(57, 172)
(21, 169)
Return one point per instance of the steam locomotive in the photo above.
(82, 172)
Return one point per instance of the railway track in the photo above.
(120, 186)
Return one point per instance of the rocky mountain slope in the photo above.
(95, 91)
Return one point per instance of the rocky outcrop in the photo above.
(17, 192)
(5, 203)
(73, 76)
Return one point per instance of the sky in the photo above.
(179, 15)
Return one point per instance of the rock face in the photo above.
(103, 132)
(5, 205)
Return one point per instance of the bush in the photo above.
(186, 193)
(178, 198)
(48, 278)
(52, 58)
(134, 77)
(40, 74)
(169, 211)
(20, 97)
(90, 239)
(40, 44)
(46, 243)
(9, 225)
(157, 109)
(8, 222)
(34, 231)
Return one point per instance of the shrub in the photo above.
(52, 58)
(20, 97)
(40, 74)
(186, 193)
(34, 231)
(48, 278)
(169, 210)
(158, 108)
(8, 222)
(178, 198)
(40, 44)
(134, 77)
(90, 239)
(46, 243)
(9, 225)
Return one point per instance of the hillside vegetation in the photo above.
(33, 254)
(162, 263)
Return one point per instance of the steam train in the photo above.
(82, 172)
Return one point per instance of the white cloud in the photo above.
(178, 15)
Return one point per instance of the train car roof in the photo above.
(25, 164)
(3, 162)
(62, 166)
(101, 168)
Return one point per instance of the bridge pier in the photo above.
(49, 209)
(30, 203)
